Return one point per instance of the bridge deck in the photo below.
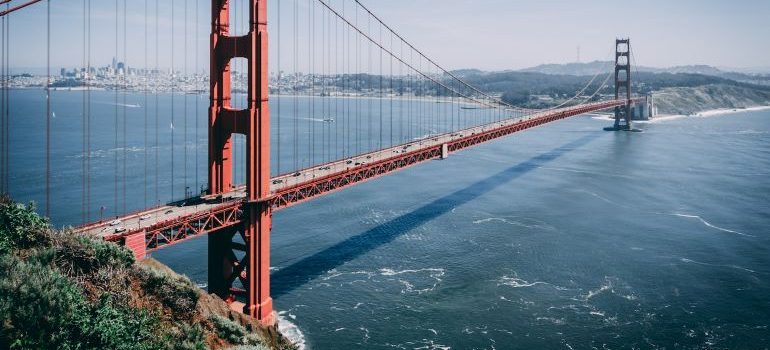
(171, 223)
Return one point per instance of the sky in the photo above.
(482, 34)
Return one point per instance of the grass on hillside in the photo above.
(60, 290)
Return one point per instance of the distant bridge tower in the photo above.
(241, 267)
(623, 82)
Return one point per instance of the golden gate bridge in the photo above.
(383, 105)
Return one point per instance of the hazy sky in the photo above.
(485, 34)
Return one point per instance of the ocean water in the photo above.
(563, 236)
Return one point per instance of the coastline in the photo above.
(701, 114)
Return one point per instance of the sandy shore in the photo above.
(702, 114)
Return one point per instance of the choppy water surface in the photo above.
(564, 236)
(560, 237)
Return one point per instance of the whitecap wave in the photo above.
(128, 105)
(516, 282)
(291, 331)
(532, 224)
(613, 286)
(556, 321)
(688, 216)
(391, 272)
(710, 224)
(690, 261)
(409, 287)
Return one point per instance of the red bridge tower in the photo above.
(623, 82)
(232, 263)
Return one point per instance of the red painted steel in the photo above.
(221, 116)
(228, 215)
(258, 220)
(254, 122)
(623, 64)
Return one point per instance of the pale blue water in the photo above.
(564, 236)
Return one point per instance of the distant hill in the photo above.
(590, 68)
(576, 68)
(690, 100)
(548, 85)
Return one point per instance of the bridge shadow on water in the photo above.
(293, 276)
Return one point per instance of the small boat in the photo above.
(328, 120)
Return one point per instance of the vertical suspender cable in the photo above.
(125, 93)
(197, 96)
(48, 113)
(322, 74)
(332, 76)
(88, 118)
(83, 207)
(184, 136)
(337, 96)
(115, 86)
(295, 34)
(146, 97)
(370, 77)
(326, 48)
(278, 95)
(390, 92)
(3, 165)
(323, 48)
(311, 67)
(358, 87)
(8, 74)
(156, 73)
(173, 91)
(402, 115)
(344, 52)
(380, 92)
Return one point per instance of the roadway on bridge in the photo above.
(137, 221)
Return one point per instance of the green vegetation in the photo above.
(59, 290)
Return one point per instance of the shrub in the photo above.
(248, 347)
(174, 292)
(228, 330)
(233, 332)
(79, 255)
(187, 337)
(116, 327)
(39, 307)
(42, 309)
(21, 227)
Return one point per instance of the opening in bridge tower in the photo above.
(241, 267)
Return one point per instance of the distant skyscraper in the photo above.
(114, 63)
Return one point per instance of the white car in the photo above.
(115, 222)
(145, 217)
(120, 229)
